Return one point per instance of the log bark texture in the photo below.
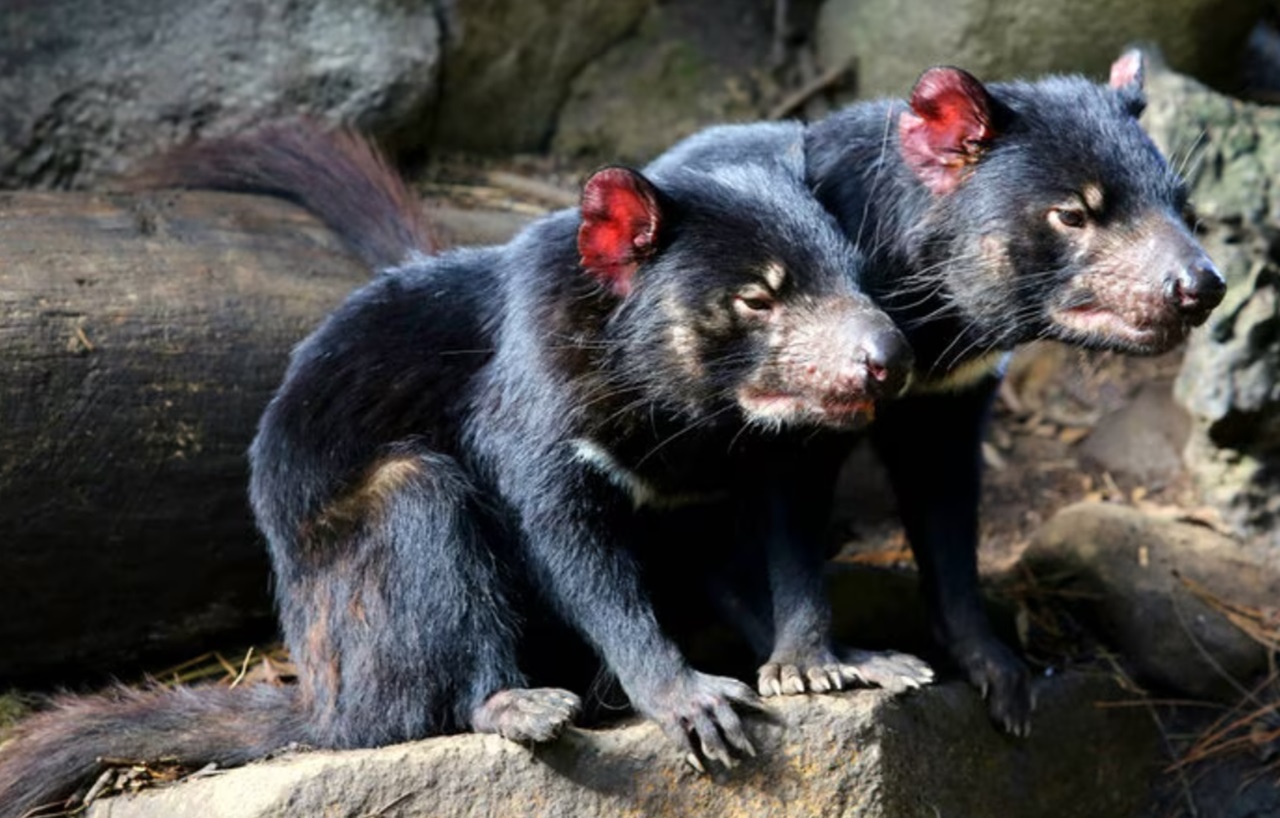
(140, 339)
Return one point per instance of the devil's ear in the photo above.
(1129, 71)
(621, 215)
(1127, 76)
(947, 128)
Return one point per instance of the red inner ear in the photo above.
(620, 217)
(947, 128)
(1127, 72)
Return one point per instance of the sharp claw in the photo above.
(719, 755)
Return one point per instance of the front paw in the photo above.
(702, 705)
(888, 669)
(824, 670)
(1003, 680)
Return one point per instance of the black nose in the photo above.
(1196, 289)
(888, 359)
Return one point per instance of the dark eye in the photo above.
(753, 301)
(1070, 217)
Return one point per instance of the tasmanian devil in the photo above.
(989, 216)
(483, 437)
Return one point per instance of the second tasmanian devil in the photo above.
(989, 216)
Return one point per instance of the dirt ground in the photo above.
(1042, 452)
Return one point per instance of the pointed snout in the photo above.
(868, 360)
(1195, 289)
(887, 360)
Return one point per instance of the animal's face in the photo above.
(749, 305)
(1064, 221)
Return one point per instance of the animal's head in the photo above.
(736, 291)
(1052, 212)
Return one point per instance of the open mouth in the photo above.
(1106, 325)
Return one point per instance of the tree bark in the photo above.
(140, 339)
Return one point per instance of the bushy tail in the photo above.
(57, 752)
(337, 175)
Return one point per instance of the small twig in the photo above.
(244, 668)
(1247, 619)
(84, 339)
(209, 770)
(800, 96)
(1205, 654)
(98, 786)
(1161, 703)
(383, 810)
(1165, 739)
(227, 667)
(176, 670)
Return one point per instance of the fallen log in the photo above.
(140, 338)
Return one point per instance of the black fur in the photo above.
(1051, 215)
(491, 439)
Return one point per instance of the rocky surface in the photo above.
(859, 754)
(1007, 40)
(1143, 439)
(105, 82)
(509, 63)
(687, 66)
(1230, 382)
(1134, 578)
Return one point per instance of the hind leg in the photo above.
(398, 615)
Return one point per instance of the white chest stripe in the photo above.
(641, 491)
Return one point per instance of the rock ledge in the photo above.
(855, 754)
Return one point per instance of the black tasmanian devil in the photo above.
(482, 437)
(989, 216)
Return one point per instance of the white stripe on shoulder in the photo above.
(641, 491)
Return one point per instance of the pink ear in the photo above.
(1127, 72)
(620, 216)
(947, 128)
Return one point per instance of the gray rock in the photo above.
(862, 754)
(1143, 439)
(1118, 565)
(509, 63)
(90, 85)
(1230, 380)
(893, 42)
(689, 65)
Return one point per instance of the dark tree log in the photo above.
(140, 338)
